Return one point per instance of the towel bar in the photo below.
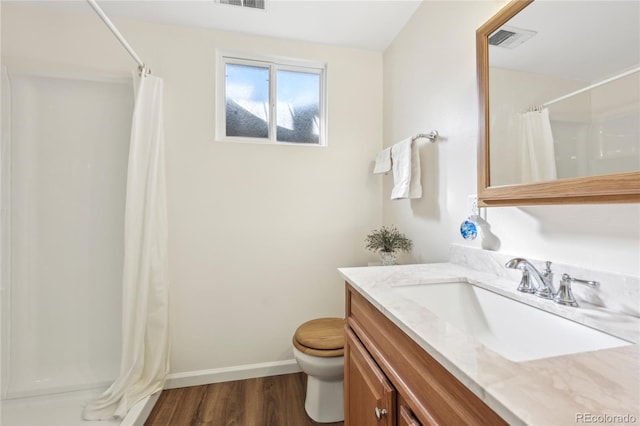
(432, 136)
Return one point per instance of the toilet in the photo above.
(318, 347)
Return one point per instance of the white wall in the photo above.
(430, 82)
(256, 232)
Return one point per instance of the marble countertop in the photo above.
(589, 387)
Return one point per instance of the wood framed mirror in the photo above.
(520, 73)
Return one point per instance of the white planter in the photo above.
(388, 258)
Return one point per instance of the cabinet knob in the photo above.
(380, 413)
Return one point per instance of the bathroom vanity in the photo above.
(408, 363)
(392, 380)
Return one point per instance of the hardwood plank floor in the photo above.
(265, 401)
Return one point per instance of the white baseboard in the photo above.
(227, 374)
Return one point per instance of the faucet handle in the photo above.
(564, 295)
(525, 283)
(578, 280)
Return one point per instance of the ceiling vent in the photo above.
(251, 4)
(510, 37)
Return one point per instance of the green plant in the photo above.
(388, 239)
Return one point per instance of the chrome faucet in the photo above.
(544, 280)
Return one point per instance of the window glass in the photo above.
(297, 106)
(270, 100)
(247, 101)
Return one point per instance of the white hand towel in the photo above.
(406, 170)
(383, 162)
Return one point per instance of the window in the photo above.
(270, 101)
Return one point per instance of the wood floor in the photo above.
(266, 401)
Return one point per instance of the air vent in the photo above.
(510, 37)
(251, 4)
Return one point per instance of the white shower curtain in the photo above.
(537, 159)
(145, 329)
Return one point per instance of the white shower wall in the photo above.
(61, 309)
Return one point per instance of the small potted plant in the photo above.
(388, 241)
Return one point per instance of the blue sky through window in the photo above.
(298, 88)
(248, 83)
(297, 109)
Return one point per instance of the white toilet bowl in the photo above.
(318, 347)
(324, 402)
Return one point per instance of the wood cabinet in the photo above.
(386, 369)
(370, 395)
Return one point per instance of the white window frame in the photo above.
(274, 64)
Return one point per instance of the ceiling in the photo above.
(364, 24)
(583, 40)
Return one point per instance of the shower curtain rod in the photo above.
(141, 66)
(593, 86)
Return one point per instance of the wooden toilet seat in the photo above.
(322, 337)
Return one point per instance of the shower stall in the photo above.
(64, 168)
(83, 235)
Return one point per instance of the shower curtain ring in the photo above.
(143, 70)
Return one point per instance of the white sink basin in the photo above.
(514, 330)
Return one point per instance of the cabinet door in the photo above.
(370, 399)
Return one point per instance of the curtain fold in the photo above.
(145, 284)
(537, 159)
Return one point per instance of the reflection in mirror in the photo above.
(564, 92)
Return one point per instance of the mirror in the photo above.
(559, 92)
